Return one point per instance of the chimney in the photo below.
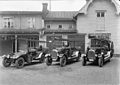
(44, 10)
(45, 5)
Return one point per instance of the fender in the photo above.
(75, 53)
(61, 55)
(39, 56)
(83, 55)
(47, 55)
(5, 56)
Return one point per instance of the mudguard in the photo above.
(5, 56)
(47, 55)
(17, 55)
(83, 55)
(40, 55)
(75, 53)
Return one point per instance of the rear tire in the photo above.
(19, 62)
(100, 62)
(63, 61)
(84, 61)
(6, 62)
(29, 59)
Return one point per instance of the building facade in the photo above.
(97, 17)
(100, 17)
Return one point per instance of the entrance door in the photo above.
(78, 41)
(54, 43)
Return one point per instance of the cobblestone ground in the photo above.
(72, 74)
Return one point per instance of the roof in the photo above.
(19, 31)
(20, 12)
(50, 31)
(83, 10)
(60, 15)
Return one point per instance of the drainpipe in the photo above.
(16, 43)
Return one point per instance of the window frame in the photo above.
(32, 44)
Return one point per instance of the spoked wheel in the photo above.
(6, 62)
(29, 59)
(41, 60)
(48, 61)
(84, 61)
(63, 61)
(100, 62)
(19, 62)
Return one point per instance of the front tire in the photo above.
(100, 62)
(63, 61)
(48, 61)
(78, 58)
(29, 59)
(41, 60)
(6, 62)
(19, 63)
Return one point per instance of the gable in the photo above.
(84, 9)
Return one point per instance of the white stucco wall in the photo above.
(65, 24)
(87, 23)
(21, 20)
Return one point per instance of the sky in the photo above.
(36, 5)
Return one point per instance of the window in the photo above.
(60, 26)
(48, 26)
(100, 14)
(70, 26)
(31, 22)
(8, 22)
(31, 44)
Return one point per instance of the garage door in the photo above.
(5, 47)
(78, 40)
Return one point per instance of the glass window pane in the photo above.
(102, 14)
(98, 14)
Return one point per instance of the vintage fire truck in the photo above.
(20, 58)
(99, 50)
(63, 54)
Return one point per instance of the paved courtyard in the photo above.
(72, 74)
